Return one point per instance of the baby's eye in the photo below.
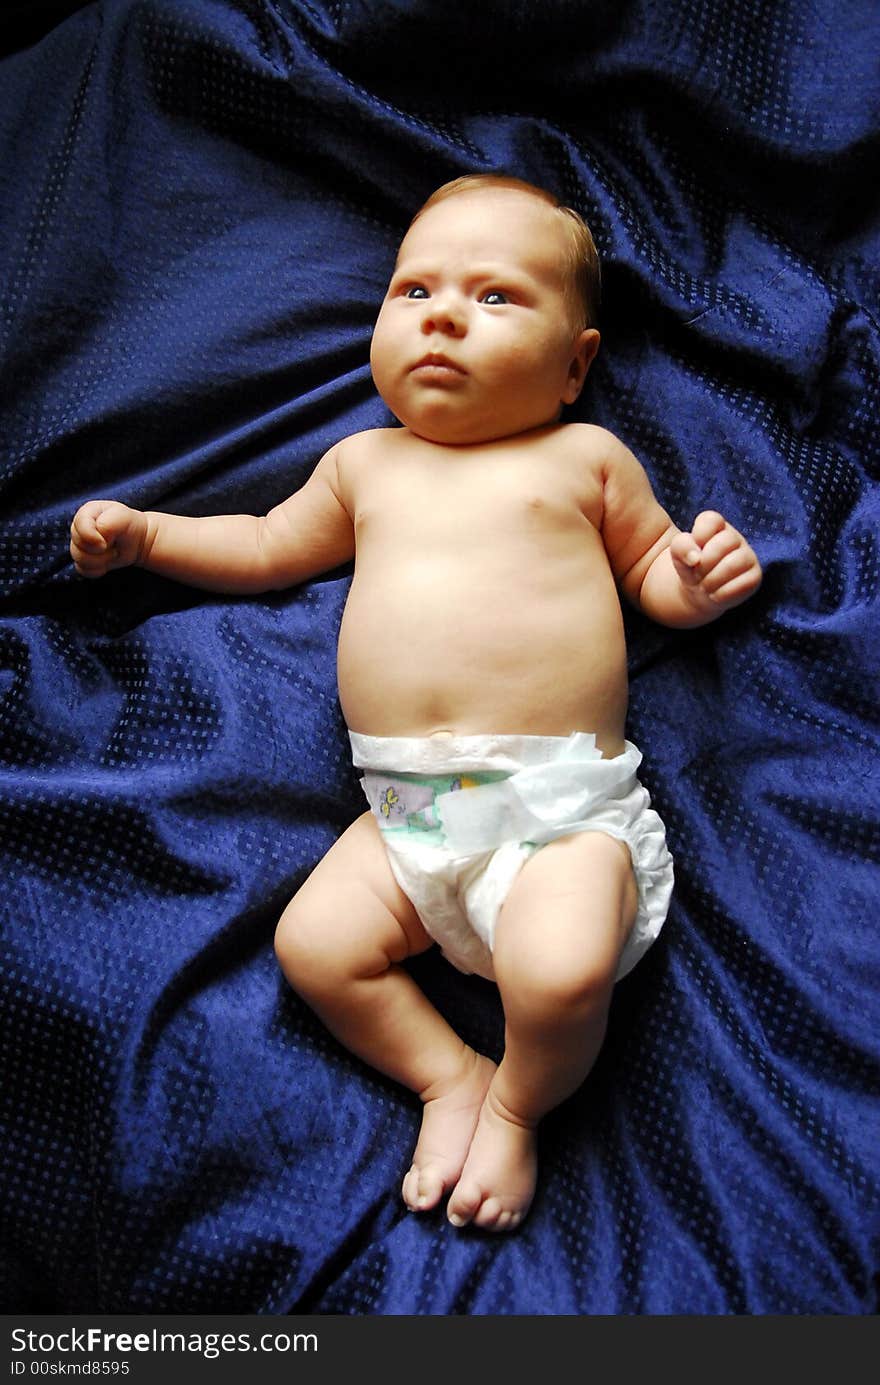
(417, 291)
(494, 298)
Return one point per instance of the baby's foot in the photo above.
(449, 1119)
(497, 1183)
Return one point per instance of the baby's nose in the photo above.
(443, 315)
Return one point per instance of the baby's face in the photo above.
(476, 339)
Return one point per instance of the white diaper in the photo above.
(455, 854)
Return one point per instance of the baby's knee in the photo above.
(303, 948)
(550, 986)
(324, 942)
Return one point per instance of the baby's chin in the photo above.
(450, 438)
(461, 433)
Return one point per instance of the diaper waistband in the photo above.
(435, 755)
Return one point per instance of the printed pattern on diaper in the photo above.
(406, 803)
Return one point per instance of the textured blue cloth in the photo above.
(201, 200)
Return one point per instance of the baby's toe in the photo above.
(464, 1204)
(508, 1221)
(422, 1188)
(489, 1216)
(409, 1188)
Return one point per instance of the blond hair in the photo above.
(583, 273)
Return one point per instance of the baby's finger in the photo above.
(738, 573)
(85, 544)
(84, 529)
(725, 542)
(739, 589)
(685, 554)
(88, 564)
(706, 525)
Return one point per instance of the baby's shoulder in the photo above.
(359, 453)
(590, 451)
(589, 440)
(602, 451)
(366, 445)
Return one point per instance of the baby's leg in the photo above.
(340, 943)
(557, 948)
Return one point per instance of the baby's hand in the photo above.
(715, 561)
(105, 535)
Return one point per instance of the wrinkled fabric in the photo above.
(200, 203)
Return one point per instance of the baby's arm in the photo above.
(679, 579)
(310, 532)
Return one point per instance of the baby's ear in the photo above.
(584, 354)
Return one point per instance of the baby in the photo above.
(506, 821)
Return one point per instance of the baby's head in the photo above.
(488, 326)
(580, 259)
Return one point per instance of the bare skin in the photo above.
(481, 528)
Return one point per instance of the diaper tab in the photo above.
(535, 804)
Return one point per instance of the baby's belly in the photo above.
(422, 662)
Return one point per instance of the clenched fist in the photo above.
(715, 561)
(106, 534)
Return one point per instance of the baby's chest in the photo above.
(460, 508)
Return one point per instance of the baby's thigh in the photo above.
(567, 917)
(351, 908)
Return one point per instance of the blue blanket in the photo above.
(201, 201)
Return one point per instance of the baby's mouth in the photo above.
(435, 362)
